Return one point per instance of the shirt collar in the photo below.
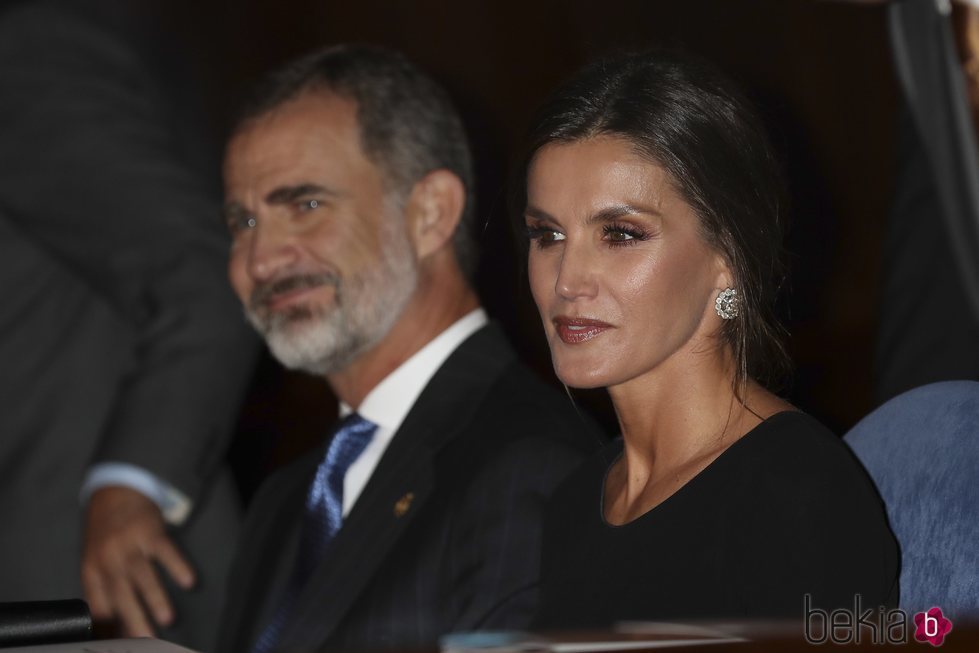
(389, 402)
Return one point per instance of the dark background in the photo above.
(819, 72)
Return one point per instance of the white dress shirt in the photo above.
(389, 402)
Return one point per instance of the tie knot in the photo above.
(349, 441)
(355, 426)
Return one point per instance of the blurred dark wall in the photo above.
(819, 72)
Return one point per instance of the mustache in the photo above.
(264, 292)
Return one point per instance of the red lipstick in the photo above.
(572, 330)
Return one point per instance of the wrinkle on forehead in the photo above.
(313, 132)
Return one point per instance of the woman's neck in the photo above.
(675, 421)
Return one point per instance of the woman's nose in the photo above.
(576, 277)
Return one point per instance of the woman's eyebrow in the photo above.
(609, 214)
(613, 213)
(534, 212)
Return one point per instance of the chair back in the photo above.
(922, 450)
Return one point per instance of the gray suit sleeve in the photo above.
(97, 180)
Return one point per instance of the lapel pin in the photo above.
(402, 505)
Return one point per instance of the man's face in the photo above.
(320, 256)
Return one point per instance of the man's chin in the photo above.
(310, 345)
(298, 355)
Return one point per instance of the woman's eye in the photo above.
(544, 236)
(622, 235)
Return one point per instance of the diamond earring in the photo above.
(726, 304)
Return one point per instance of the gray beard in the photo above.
(327, 340)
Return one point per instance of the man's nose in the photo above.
(577, 274)
(271, 250)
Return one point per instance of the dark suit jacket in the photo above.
(120, 338)
(929, 328)
(478, 454)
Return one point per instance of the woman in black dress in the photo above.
(653, 209)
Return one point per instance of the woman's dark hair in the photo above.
(684, 115)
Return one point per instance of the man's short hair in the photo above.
(408, 125)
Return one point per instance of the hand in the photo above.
(124, 535)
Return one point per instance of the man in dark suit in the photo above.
(929, 325)
(348, 197)
(125, 355)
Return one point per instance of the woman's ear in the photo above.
(724, 278)
(433, 211)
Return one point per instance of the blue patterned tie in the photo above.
(323, 516)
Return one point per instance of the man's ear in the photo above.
(433, 211)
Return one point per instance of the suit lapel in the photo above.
(398, 489)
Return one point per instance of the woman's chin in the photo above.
(581, 379)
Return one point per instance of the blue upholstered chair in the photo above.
(922, 450)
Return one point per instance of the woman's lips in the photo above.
(572, 330)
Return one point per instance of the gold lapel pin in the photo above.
(402, 505)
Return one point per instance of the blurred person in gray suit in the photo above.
(125, 354)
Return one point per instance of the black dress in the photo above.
(785, 511)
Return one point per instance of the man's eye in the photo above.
(309, 205)
(544, 236)
(241, 223)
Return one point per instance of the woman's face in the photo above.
(624, 282)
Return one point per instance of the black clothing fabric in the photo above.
(785, 511)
